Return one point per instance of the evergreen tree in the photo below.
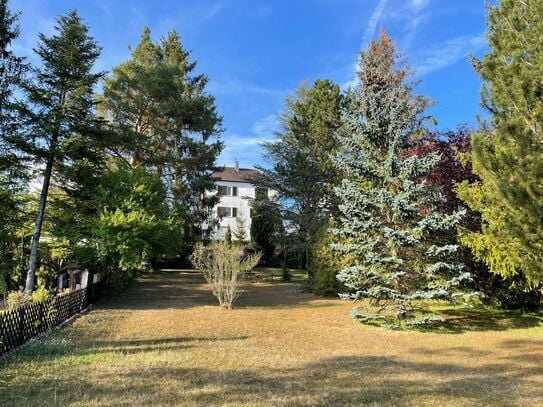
(390, 221)
(301, 171)
(265, 223)
(454, 167)
(13, 176)
(167, 123)
(507, 154)
(228, 236)
(57, 120)
(12, 67)
(240, 231)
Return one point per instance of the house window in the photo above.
(226, 212)
(227, 191)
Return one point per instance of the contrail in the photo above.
(368, 34)
(374, 20)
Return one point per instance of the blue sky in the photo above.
(256, 52)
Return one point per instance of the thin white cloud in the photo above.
(374, 20)
(203, 15)
(419, 4)
(248, 149)
(104, 7)
(352, 83)
(368, 35)
(191, 20)
(32, 22)
(448, 54)
(266, 127)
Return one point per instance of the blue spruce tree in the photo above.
(390, 221)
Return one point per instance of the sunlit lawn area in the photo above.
(165, 342)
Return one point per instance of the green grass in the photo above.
(166, 342)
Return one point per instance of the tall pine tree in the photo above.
(507, 154)
(168, 123)
(57, 120)
(12, 168)
(12, 66)
(390, 219)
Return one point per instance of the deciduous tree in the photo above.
(134, 225)
(224, 267)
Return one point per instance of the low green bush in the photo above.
(41, 294)
(325, 264)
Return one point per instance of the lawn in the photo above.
(165, 342)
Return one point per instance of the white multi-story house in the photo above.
(235, 190)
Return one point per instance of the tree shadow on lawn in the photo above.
(522, 351)
(184, 289)
(335, 381)
(55, 346)
(526, 351)
(460, 320)
(188, 289)
(280, 295)
(161, 290)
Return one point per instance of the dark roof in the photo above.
(241, 175)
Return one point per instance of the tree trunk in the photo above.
(33, 261)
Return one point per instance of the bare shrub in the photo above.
(224, 267)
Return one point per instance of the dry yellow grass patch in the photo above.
(166, 342)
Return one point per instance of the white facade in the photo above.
(235, 206)
(234, 203)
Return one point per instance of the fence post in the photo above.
(41, 319)
(21, 325)
(91, 293)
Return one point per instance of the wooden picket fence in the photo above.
(19, 325)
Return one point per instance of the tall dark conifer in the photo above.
(168, 123)
(12, 169)
(11, 66)
(57, 120)
(300, 169)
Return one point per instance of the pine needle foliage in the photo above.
(240, 231)
(300, 170)
(166, 121)
(390, 221)
(507, 153)
(57, 125)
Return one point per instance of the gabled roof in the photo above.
(232, 175)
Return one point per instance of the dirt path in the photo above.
(165, 342)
